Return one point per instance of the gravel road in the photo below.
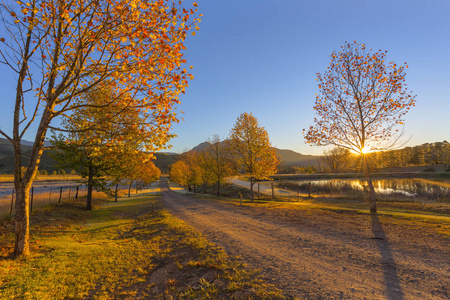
(319, 254)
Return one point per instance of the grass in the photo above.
(120, 250)
(429, 214)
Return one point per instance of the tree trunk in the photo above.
(89, 189)
(372, 201)
(218, 187)
(115, 195)
(22, 207)
(251, 188)
(22, 222)
(129, 188)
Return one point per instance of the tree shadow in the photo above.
(391, 279)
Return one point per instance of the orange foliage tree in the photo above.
(179, 173)
(250, 144)
(361, 103)
(60, 49)
(117, 145)
(217, 161)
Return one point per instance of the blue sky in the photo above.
(262, 57)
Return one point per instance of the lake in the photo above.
(408, 187)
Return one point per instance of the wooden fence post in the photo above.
(115, 196)
(31, 200)
(50, 196)
(70, 189)
(76, 194)
(12, 204)
(273, 192)
(60, 195)
(309, 189)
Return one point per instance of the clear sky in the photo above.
(262, 56)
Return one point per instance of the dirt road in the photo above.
(315, 254)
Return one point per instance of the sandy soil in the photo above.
(319, 254)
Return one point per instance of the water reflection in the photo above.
(408, 187)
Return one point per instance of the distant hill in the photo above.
(7, 157)
(201, 146)
(164, 160)
(28, 143)
(289, 158)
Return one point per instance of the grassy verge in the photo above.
(131, 249)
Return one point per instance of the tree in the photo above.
(361, 103)
(193, 174)
(114, 148)
(336, 160)
(218, 162)
(178, 173)
(250, 144)
(61, 49)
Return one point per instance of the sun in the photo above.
(365, 150)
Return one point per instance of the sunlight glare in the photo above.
(365, 150)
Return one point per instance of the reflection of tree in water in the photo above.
(407, 187)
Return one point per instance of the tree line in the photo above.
(246, 151)
(340, 160)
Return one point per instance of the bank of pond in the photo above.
(431, 187)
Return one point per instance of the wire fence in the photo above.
(53, 195)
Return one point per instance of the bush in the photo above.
(43, 172)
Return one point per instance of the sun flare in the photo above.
(365, 150)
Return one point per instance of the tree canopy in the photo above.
(250, 144)
(361, 103)
(61, 50)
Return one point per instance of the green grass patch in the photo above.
(131, 249)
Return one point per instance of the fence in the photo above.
(46, 196)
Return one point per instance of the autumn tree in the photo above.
(250, 144)
(179, 173)
(61, 49)
(194, 173)
(217, 161)
(361, 103)
(149, 172)
(336, 160)
(115, 140)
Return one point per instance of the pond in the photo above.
(409, 187)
